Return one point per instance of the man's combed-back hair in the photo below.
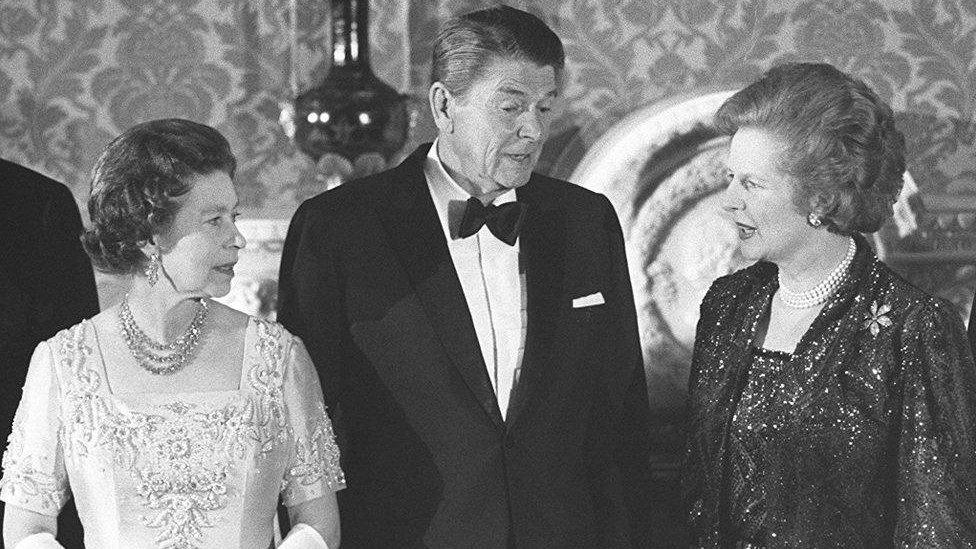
(468, 43)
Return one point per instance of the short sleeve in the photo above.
(937, 455)
(34, 476)
(313, 466)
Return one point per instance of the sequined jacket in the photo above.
(879, 449)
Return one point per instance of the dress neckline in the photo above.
(102, 372)
(764, 352)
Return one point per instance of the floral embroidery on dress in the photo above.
(91, 421)
(184, 473)
(316, 458)
(182, 455)
(182, 458)
(267, 417)
(24, 481)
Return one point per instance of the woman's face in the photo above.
(759, 198)
(200, 247)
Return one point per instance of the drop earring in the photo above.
(152, 269)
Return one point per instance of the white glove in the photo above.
(301, 536)
(42, 540)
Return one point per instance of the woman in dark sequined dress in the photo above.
(832, 403)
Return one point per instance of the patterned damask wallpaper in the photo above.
(73, 74)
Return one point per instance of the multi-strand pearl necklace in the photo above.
(820, 293)
(161, 358)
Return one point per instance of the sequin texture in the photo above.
(862, 437)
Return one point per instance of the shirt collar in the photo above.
(449, 197)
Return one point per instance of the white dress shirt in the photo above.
(491, 278)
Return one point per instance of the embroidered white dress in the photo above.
(180, 471)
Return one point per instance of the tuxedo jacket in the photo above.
(46, 285)
(368, 283)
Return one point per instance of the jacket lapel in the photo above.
(727, 390)
(823, 338)
(416, 236)
(541, 248)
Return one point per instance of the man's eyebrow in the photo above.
(515, 91)
(511, 91)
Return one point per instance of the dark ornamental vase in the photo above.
(351, 112)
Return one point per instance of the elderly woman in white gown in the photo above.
(173, 421)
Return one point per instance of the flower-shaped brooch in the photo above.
(878, 318)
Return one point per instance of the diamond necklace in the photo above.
(161, 358)
(822, 291)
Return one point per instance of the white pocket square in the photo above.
(588, 300)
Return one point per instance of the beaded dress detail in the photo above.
(183, 470)
(763, 409)
(862, 437)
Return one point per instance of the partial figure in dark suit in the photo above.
(473, 322)
(46, 285)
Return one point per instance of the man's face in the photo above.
(498, 127)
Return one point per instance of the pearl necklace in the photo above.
(820, 293)
(161, 358)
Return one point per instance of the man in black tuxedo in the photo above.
(46, 285)
(473, 322)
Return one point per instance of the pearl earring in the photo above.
(814, 220)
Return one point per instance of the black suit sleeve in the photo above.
(625, 393)
(310, 302)
(51, 285)
(63, 291)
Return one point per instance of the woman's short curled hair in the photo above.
(468, 43)
(137, 182)
(843, 147)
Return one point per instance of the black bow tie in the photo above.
(504, 221)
